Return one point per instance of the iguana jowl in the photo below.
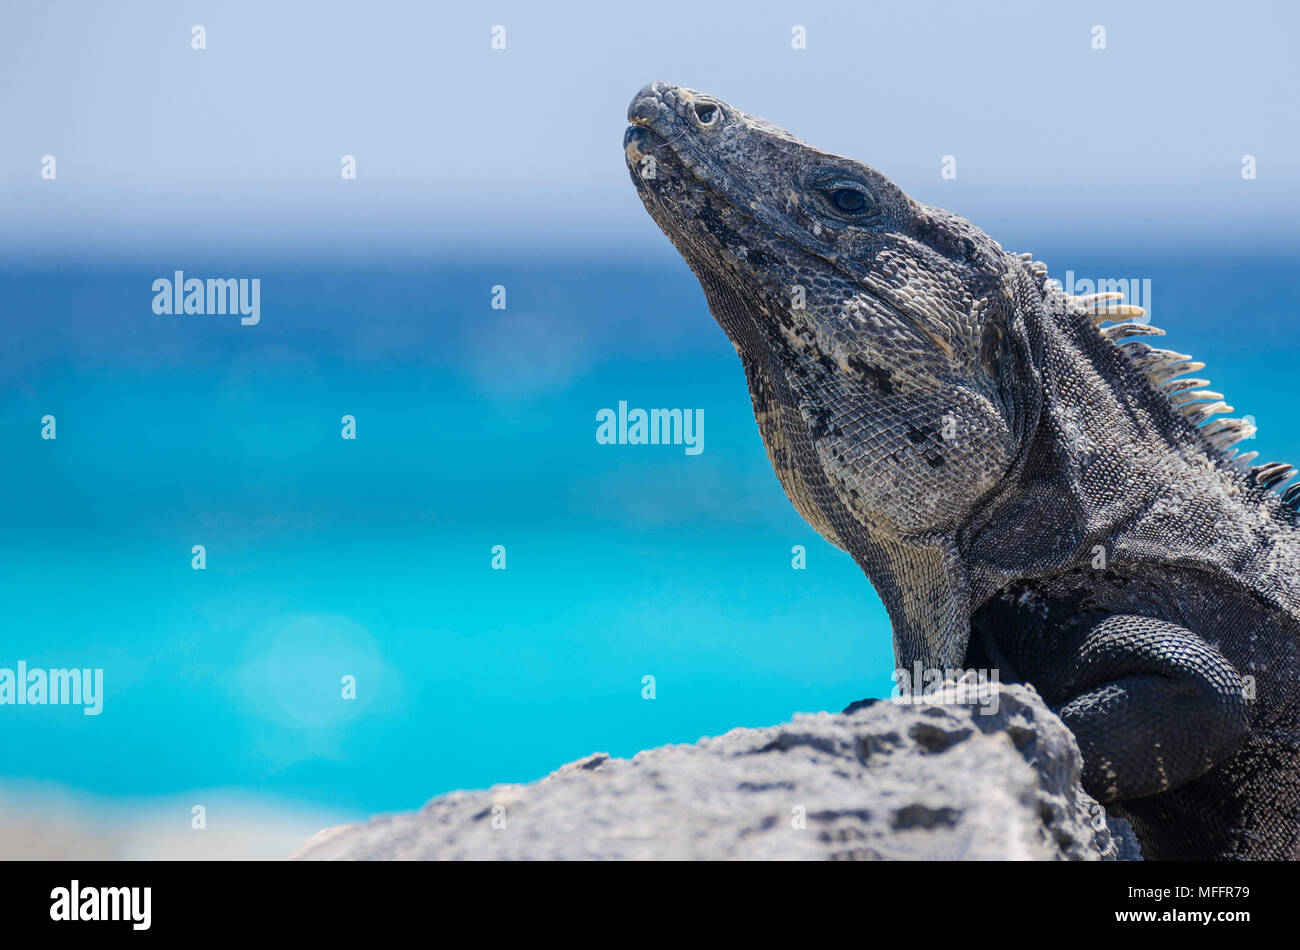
(1025, 488)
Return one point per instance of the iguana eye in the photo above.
(706, 112)
(848, 199)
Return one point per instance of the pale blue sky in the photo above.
(162, 147)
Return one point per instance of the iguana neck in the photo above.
(920, 580)
(1076, 502)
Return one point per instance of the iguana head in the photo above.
(879, 336)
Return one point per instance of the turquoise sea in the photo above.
(372, 558)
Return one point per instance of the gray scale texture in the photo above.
(926, 781)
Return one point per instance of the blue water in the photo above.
(372, 558)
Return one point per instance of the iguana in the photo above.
(1027, 483)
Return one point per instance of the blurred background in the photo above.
(478, 167)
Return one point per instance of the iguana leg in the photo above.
(1152, 705)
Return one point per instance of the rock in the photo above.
(1127, 846)
(988, 774)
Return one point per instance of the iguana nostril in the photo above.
(706, 112)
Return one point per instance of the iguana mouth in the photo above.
(678, 128)
(667, 181)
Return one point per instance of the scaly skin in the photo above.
(1024, 490)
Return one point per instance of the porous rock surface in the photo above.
(993, 778)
